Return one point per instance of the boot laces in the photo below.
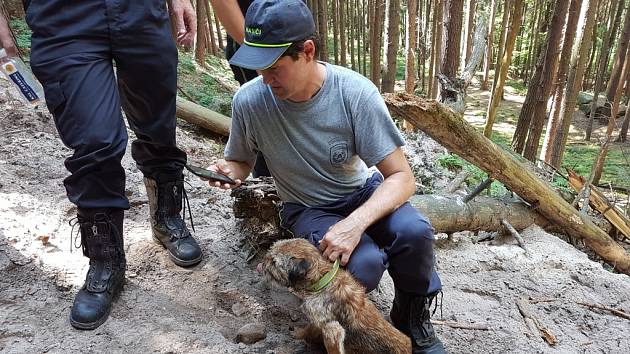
(78, 221)
(185, 202)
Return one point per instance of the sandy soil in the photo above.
(167, 309)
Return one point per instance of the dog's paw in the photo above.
(308, 333)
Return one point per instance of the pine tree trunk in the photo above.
(342, 32)
(574, 82)
(601, 158)
(620, 56)
(507, 8)
(322, 16)
(209, 31)
(472, 10)
(505, 63)
(391, 39)
(603, 65)
(436, 47)
(543, 79)
(376, 26)
(200, 43)
(217, 25)
(335, 27)
(560, 82)
(410, 44)
(453, 10)
(533, 31)
(487, 63)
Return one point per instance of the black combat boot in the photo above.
(411, 315)
(165, 205)
(102, 242)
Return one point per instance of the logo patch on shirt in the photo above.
(338, 153)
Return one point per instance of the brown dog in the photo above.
(340, 313)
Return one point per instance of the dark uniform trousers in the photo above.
(401, 242)
(74, 47)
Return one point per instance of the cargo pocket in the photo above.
(55, 99)
(56, 103)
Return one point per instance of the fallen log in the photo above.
(448, 213)
(600, 203)
(202, 117)
(453, 132)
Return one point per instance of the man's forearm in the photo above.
(230, 15)
(389, 196)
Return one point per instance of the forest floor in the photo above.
(168, 309)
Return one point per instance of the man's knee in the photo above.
(367, 268)
(417, 234)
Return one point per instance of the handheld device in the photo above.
(209, 175)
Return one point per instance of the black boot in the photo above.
(102, 242)
(411, 315)
(169, 229)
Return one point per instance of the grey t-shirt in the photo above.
(318, 151)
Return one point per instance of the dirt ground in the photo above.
(168, 309)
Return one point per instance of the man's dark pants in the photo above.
(74, 45)
(401, 242)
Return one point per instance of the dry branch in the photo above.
(600, 203)
(534, 325)
(476, 326)
(514, 234)
(606, 308)
(449, 129)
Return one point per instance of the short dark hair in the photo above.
(298, 47)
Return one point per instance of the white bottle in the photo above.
(19, 74)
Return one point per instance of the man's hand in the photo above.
(227, 169)
(341, 240)
(185, 21)
(6, 40)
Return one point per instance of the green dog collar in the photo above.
(326, 279)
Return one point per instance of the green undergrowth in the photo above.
(199, 85)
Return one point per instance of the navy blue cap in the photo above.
(271, 26)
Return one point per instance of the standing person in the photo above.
(321, 126)
(231, 13)
(73, 47)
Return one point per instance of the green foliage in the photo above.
(201, 87)
(451, 162)
(518, 86)
(22, 33)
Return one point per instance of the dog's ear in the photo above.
(297, 270)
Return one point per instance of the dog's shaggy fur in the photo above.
(340, 315)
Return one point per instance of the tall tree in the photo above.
(598, 167)
(322, 21)
(560, 82)
(620, 56)
(603, 63)
(507, 7)
(392, 38)
(505, 63)
(533, 112)
(200, 42)
(487, 63)
(453, 10)
(335, 27)
(410, 46)
(342, 40)
(436, 47)
(574, 81)
(376, 23)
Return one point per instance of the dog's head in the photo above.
(293, 263)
